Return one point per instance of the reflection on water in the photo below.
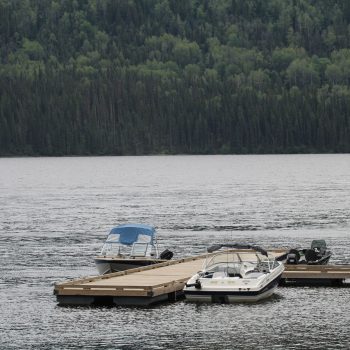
(55, 213)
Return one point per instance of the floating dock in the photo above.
(310, 275)
(165, 282)
(141, 286)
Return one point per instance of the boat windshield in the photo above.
(136, 250)
(133, 240)
(231, 258)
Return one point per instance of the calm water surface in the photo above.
(56, 212)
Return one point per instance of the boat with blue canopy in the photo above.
(130, 246)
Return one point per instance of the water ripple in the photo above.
(55, 213)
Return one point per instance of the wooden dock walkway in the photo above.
(165, 281)
(140, 286)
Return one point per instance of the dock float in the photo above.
(165, 282)
(309, 275)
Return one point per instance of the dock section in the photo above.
(308, 275)
(140, 286)
(165, 281)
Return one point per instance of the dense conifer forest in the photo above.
(174, 76)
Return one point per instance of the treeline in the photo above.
(174, 76)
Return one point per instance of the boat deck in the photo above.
(165, 281)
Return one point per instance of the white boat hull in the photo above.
(238, 293)
(225, 297)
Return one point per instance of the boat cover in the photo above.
(130, 233)
(319, 244)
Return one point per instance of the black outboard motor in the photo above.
(293, 257)
(166, 254)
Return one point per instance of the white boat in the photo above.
(246, 274)
(130, 246)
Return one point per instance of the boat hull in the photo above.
(323, 261)
(105, 266)
(231, 296)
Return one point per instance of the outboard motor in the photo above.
(166, 254)
(293, 257)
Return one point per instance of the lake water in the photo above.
(56, 212)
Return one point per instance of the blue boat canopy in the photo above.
(131, 233)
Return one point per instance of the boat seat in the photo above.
(262, 267)
(311, 255)
(219, 274)
(253, 274)
(234, 272)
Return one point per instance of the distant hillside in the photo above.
(174, 76)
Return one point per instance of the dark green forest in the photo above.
(81, 77)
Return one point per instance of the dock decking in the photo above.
(140, 286)
(165, 281)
